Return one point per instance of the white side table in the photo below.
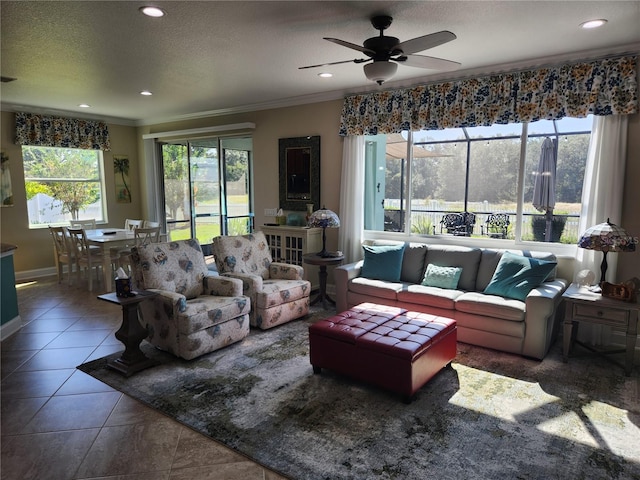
(583, 305)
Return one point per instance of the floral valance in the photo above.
(47, 131)
(600, 87)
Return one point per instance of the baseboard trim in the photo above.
(38, 273)
(9, 328)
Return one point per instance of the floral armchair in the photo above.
(277, 290)
(195, 312)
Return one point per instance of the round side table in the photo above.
(323, 263)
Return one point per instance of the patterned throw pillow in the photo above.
(442, 277)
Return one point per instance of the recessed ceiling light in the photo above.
(152, 11)
(146, 92)
(325, 75)
(593, 23)
(84, 105)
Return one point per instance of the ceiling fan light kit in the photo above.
(380, 72)
(383, 51)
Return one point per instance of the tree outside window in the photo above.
(63, 184)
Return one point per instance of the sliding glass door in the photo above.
(207, 188)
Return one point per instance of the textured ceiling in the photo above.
(216, 57)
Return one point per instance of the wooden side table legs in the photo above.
(322, 294)
(130, 333)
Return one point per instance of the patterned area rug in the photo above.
(492, 415)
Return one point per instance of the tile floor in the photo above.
(58, 423)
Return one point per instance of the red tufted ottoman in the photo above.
(386, 346)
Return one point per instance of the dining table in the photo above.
(108, 238)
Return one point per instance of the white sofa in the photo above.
(525, 327)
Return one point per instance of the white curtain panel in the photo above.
(352, 199)
(602, 199)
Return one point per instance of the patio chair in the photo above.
(194, 312)
(460, 224)
(496, 225)
(277, 290)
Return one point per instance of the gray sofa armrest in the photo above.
(341, 276)
(541, 322)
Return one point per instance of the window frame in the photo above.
(100, 181)
(484, 241)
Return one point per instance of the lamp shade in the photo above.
(324, 219)
(607, 237)
(380, 72)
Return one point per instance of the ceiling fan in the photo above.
(384, 52)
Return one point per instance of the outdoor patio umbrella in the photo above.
(544, 189)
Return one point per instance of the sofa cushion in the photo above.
(281, 291)
(207, 311)
(376, 288)
(431, 296)
(382, 262)
(453, 256)
(517, 275)
(442, 277)
(491, 306)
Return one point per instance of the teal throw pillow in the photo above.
(382, 262)
(443, 277)
(516, 276)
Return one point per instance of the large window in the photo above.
(63, 184)
(207, 188)
(428, 181)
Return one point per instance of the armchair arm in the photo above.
(176, 301)
(285, 271)
(222, 286)
(342, 275)
(251, 284)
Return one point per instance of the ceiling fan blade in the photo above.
(425, 42)
(368, 51)
(432, 63)
(355, 60)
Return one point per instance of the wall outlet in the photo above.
(270, 212)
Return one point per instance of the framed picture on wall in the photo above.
(121, 176)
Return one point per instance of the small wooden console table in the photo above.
(583, 305)
(131, 333)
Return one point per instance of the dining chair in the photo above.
(150, 224)
(141, 236)
(87, 223)
(63, 255)
(85, 257)
(130, 224)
